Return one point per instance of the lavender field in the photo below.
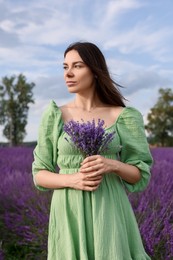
(24, 211)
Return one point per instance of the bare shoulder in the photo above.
(66, 106)
(115, 110)
(110, 114)
(67, 111)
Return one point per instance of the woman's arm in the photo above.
(51, 180)
(77, 180)
(98, 165)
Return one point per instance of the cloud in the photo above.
(55, 23)
(115, 9)
(42, 24)
(52, 87)
(136, 77)
(8, 40)
(141, 80)
(142, 38)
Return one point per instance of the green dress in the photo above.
(98, 225)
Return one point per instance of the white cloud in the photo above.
(41, 23)
(116, 8)
(136, 77)
(142, 38)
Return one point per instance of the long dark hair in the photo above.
(106, 87)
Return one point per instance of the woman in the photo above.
(91, 217)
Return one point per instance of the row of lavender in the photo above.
(154, 207)
(24, 210)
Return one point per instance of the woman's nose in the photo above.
(69, 72)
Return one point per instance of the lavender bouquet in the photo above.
(90, 138)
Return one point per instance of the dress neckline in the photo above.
(107, 127)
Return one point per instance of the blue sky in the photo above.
(135, 36)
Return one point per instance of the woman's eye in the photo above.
(65, 67)
(78, 66)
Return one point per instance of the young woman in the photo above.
(91, 217)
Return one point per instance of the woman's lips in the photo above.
(70, 83)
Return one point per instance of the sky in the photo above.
(135, 36)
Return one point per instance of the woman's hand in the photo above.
(96, 165)
(91, 173)
(81, 181)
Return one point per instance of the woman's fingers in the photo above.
(82, 181)
(89, 159)
(92, 163)
(91, 185)
(97, 164)
(93, 177)
(89, 168)
(90, 188)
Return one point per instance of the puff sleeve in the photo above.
(135, 148)
(45, 152)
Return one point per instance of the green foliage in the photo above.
(15, 96)
(160, 119)
(13, 251)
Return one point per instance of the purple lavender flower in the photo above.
(90, 138)
(24, 211)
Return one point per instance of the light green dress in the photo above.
(98, 225)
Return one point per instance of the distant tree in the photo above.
(15, 96)
(160, 119)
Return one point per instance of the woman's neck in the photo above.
(87, 103)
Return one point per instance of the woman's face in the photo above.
(77, 74)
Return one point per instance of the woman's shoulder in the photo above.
(51, 111)
(52, 106)
(67, 106)
(129, 113)
(55, 111)
(131, 110)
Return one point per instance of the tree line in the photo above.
(16, 94)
